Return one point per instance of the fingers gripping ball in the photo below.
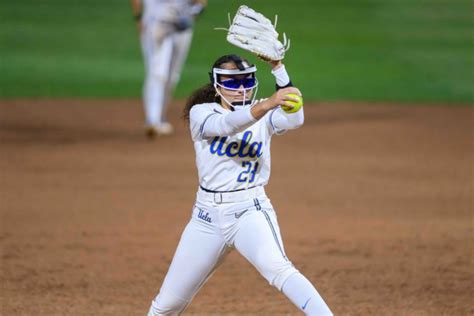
(296, 105)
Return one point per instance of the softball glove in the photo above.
(252, 31)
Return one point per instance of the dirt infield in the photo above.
(374, 204)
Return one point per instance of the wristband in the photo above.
(281, 76)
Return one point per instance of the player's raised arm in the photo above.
(280, 120)
(280, 97)
(208, 122)
(255, 33)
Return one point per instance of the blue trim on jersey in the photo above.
(201, 129)
(271, 121)
(278, 132)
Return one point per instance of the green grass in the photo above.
(381, 50)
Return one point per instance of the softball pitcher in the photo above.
(231, 134)
(165, 32)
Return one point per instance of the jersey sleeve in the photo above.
(205, 121)
(279, 122)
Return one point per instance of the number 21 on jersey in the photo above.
(248, 175)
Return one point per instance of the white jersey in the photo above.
(232, 148)
(165, 10)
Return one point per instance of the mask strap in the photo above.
(216, 86)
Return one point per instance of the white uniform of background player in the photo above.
(232, 145)
(166, 34)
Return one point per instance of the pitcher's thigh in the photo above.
(259, 241)
(198, 254)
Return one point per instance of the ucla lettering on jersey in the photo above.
(230, 162)
(243, 148)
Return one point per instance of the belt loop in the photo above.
(219, 199)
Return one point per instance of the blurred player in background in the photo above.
(166, 28)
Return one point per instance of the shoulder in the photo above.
(200, 111)
(204, 108)
(198, 115)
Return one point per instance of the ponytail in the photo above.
(205, 94)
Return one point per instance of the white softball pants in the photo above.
(164, 53)
(219, 223)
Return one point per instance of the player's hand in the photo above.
(275, 64)
(278, 98)
(281, 96)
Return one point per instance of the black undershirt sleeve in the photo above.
(290, 84)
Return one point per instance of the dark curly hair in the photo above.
(207, 93)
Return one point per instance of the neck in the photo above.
(225, 105)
